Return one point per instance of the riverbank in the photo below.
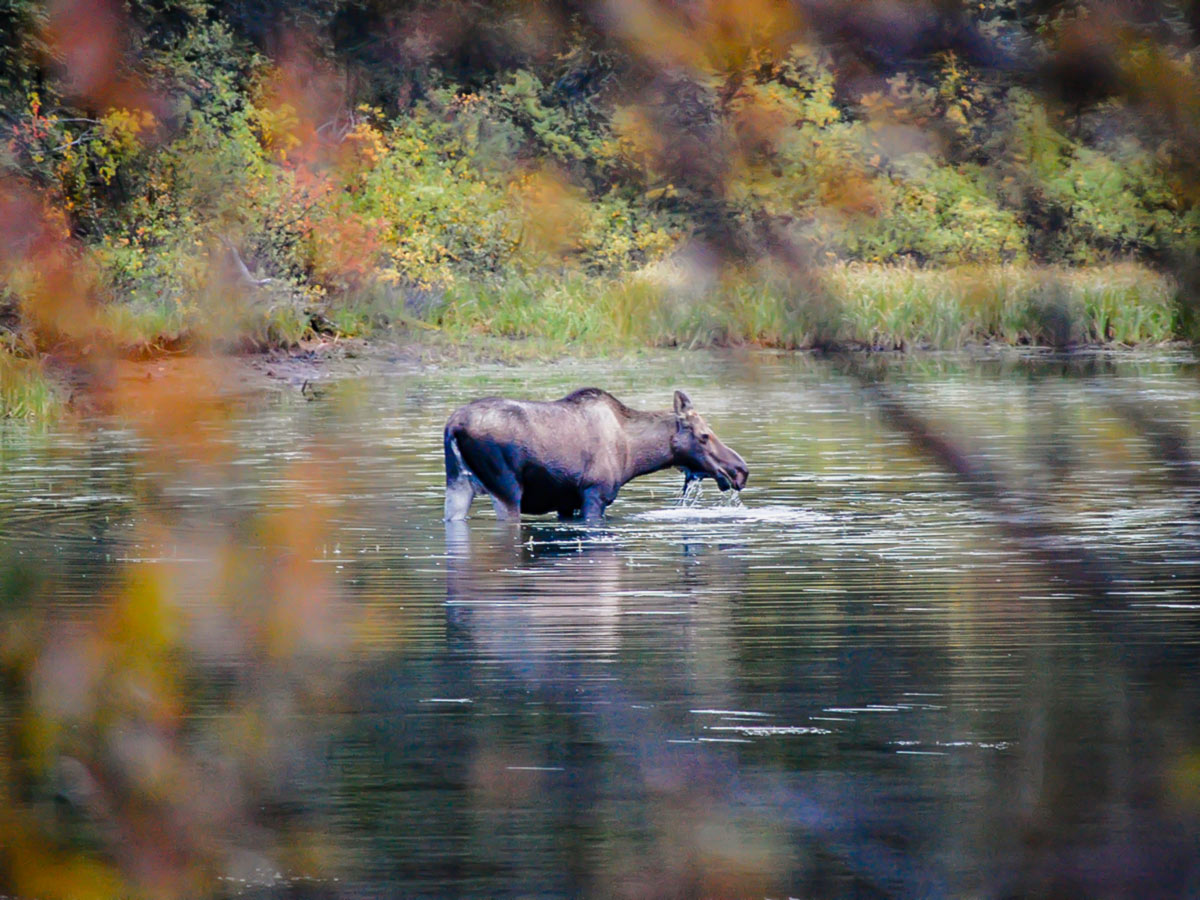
(845, 306)
(853, 307)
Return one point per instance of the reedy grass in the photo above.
(230, 320)
(877, 306)
(571, 310)
(949, 308)
(540, 315)
(25, 391)
(142, 324)
(852, 305)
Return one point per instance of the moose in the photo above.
(571, 456)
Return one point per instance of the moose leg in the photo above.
(594, 503)
(492, 473)
(568, 506)
(506, 510)
(459, 494)
(506, 498)
(461, 484)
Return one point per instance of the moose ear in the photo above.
(683, 405)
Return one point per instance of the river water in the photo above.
(245, 657)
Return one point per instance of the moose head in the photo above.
(700, 453)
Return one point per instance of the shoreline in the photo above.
(873, 312)
(311, 365)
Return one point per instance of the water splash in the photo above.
(772, 515)
(693, 491)
(692, 496)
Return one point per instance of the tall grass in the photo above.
(884, 307)
(25, 392)
(857, 305)
(225, 319)
(948, 308)
(573, 309)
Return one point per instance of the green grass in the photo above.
(138, 323)
(574, 309)
(949, 308)
(856, 305)
(522, 317)
(25, 391)
(146, 328)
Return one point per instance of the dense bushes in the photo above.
(232, 167)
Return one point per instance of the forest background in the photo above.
(176, 175)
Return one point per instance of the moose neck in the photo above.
(649, 437)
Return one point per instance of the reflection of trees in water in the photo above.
(1092, 792)
(563, 774)
(567, 759)
(559, 776)
(151, 696)
(1094, 799)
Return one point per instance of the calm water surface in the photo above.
(864, 681)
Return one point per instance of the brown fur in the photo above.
(571, 456)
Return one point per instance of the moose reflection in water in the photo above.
(556, 579)
(571, 456)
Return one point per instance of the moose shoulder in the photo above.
(571, 456)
